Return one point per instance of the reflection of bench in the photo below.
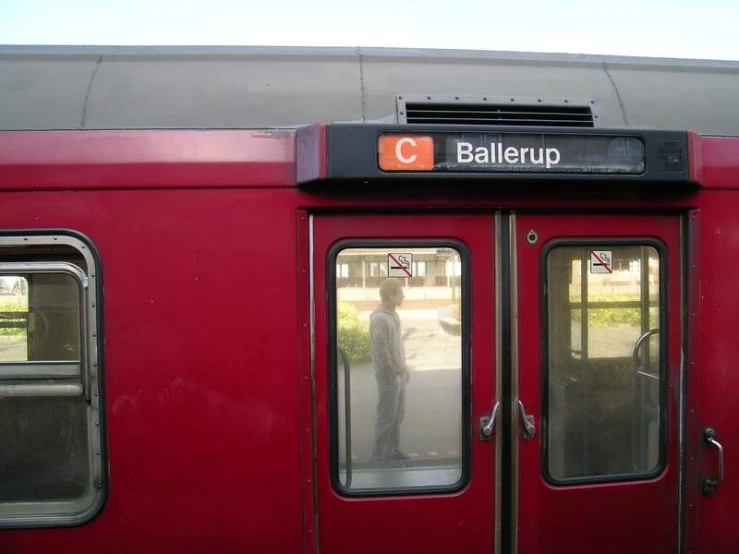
(13, 320)
(451, 326)
(448, 322)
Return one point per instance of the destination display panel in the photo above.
(511, 152)
(423, 154)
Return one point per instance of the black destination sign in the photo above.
(484, 152)
(492, 157)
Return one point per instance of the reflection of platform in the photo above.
(431, 432)
(403, 476)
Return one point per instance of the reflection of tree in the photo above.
(353, 335)
(20, 288)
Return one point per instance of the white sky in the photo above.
(705, 29)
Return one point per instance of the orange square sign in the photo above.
(406, 153)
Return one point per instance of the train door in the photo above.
(405, 384)
(596, 405)
(570, 330)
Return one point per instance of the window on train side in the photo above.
(400, 369)
(604, 356)
(51, 445)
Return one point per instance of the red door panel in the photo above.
(713, 378)
(602, 472)
(350, 260)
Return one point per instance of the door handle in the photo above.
(487, 423)
(637, 346)
(710, 485)
(529, 424)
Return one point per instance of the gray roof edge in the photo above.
(376, 53)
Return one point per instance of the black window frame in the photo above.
(605, 243)
(466, 302)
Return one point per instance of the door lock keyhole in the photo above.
(532, 237)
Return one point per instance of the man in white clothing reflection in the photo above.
(391, 372)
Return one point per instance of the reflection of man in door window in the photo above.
(391, 373)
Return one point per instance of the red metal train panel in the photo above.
(146, 159)
(713, 161)
(714, 358)
(201, 368)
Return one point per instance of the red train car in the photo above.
(192, 319)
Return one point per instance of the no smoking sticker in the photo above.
(601, 261)
(399, 265)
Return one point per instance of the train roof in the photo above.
(96, 87)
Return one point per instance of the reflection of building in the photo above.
(367, 268)
(435, 277)
(626, 275)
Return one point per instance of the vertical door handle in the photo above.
(710, 485)
(529, 425)
(487, 424)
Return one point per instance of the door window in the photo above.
(604, 361)
(399, 370)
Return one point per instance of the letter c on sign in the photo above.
(405, 153)
(399, 150)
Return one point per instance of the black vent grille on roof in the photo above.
(491, 114)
